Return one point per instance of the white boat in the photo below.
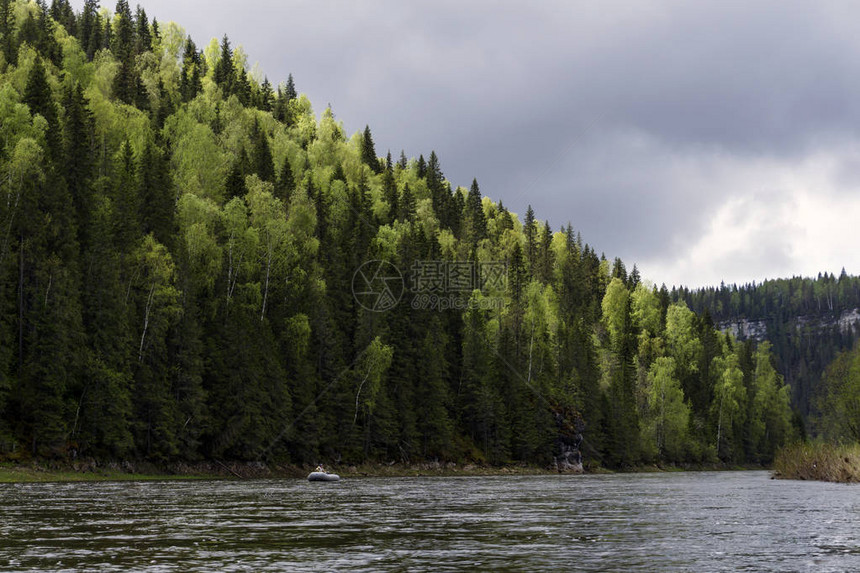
(323, 476)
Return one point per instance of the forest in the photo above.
(811, 324)
(180, 243)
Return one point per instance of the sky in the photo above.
(703, 142)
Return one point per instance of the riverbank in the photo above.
(31, 472)
(34, 472)
(91, 470)
(820, 462)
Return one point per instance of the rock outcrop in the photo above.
(757, 329)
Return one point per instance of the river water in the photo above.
(695, 521)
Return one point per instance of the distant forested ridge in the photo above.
(808, 321)
(193, 266)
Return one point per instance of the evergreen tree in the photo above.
(368, 151)
(225, 75)
(530, 232)
(261, 154)
(235, 183)
(125, 85)
(156, 195)
(286, 184)
(8, 46)
(78, 152)
(143, 36)
(266, 98)
(38, 97)
(190, 82)
(475, 219)
(92, 39)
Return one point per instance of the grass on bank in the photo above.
(14, 473)
(818, 461)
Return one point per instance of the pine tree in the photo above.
(78, 153)
(126, 81)
(285, 185)
(105, 397)
(156, 195)
(476, 221)
(46, 42)
(38, 97)
(290, 91)
(389, 191)
(93, 35)
(368, 151)
(261, 154)
(143, 37)
(422, 167)
(225, 75)
(8, 46)
(266, 96)
(530, 232)
(242, 87)
(235, 182)
(406, 205)
(126, 199)
(189, 82)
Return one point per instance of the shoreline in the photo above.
(65, 472)
(818, 462)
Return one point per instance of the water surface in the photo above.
(697, 521)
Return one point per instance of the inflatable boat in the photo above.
(322, 476)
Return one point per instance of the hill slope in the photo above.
(807, 320)
(194, 266)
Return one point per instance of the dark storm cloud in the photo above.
(608, 115)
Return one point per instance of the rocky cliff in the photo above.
(848, 322)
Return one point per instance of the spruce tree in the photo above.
(224, 72)
(38, 97)
(122, 43)
(406, 205)
(477, 222)
(368, 151)
(422, 167)
(156, 194)
(78, 153)
(8, 46)
(94, 37)
(143, 36)
(235, 182)
(290, 90)
(530, 232)
(389, 192)
(261, 154)
(242, 87)
(286, 184)
(266, 98)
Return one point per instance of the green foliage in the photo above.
(668, 414)
(839, 398)
(178, 251)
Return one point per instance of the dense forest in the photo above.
(809, 322)
(188, 259)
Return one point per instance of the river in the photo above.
(695, 521)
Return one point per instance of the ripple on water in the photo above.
(632, 522)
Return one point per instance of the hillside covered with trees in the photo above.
(808, 321)
(180, 242)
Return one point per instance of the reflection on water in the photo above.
(651, 522)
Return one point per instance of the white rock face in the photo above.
(746, 329)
